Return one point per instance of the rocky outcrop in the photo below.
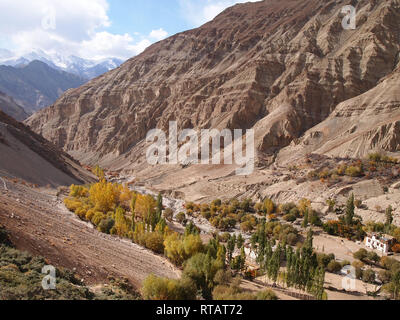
(10, 107)
(281, 67)
(369, 122)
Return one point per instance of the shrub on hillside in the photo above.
(368, 276)
(155, 288)
(354, 171)
(334, 267)
(155, 242)
(106, 225)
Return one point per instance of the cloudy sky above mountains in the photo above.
(96, 29)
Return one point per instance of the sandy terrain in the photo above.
(333, 288)
(342, 248)
(256, 287)
(40, 224)
(358, 293)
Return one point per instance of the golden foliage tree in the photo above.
(145, 207)
(304, 206)
(269, 207)
(104, 196)
(178, 249)
(99, 172)
(121, 223)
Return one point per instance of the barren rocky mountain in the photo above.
(370, 121)
(286, 68)
(26, 155)
(36, 85)
(10, 107)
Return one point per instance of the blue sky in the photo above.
(99, 29)
(144, 16)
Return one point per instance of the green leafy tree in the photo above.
(361, 254)
(368, 276)
(318, 282)
(191, 229)
(240, 241)
(201, 269)
(393, 287)
(305, 221)
(231, 247)
(389, 219)
(350, 211)
(159, 206)
(331, 203)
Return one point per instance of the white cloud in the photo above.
(198, 12)
(159, 34)
(68, 27)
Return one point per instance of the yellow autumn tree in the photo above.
(121, 223)
(179, 249)
(104, 196)
(125, 194)
(99, 172)
(145, 207)
(304, 205)
(174, 249)
(269, 207)
(78, 191)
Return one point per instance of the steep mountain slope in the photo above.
(10, 107)
(26, 155)
(36, 85)
(279, 66)
(367, 122)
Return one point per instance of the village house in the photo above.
(250, 254)
(382, 243)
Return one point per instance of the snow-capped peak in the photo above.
(84, 68)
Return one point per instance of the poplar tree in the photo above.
(268, 253)
(231, 247)
(308, 244)
(318, 283)
(389, 218)
(133, 205)
(350, 210)
(305, 222)
(242, 259)
(240, 241)
(275, 263)
(159, 206)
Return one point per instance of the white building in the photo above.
(382, 243)
(250, 254)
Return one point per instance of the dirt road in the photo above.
(40, 224)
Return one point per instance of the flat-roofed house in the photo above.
(382, 243)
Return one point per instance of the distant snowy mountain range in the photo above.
(84, 68)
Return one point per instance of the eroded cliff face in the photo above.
(281, 67)
(368, 122)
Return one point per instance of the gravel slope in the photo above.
(40, 224)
